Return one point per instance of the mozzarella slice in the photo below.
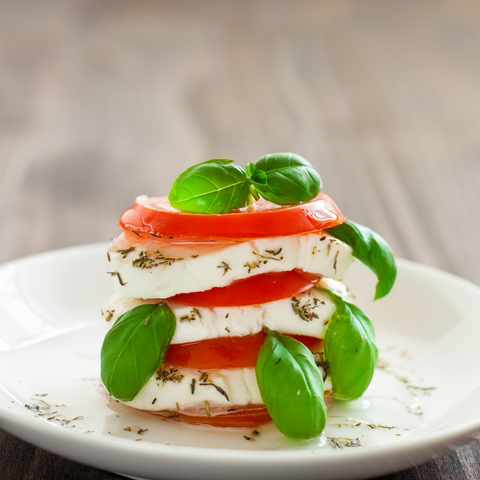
(187, 390)
(161, 270)
(304, 314)
(239, 387)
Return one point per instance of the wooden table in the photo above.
(104, 100)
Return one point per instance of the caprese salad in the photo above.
(229, 308)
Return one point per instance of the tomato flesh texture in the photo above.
(156, 216)
(246, 417)
(264, 288)
(225, 352)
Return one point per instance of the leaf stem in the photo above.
(251, 197)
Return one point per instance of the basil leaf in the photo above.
(214, 186)
(291, 386)
(134, 348)
(285, 179)
(372, 250)
(350, 349)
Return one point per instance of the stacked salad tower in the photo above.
(229, 307)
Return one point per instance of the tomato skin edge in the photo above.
(318, 214)
(245, 417)
(256, 290)
(225, 352)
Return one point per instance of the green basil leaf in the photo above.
(350, 349)
(291, 386)
(286, 179)
(250, 169)
(259, 178)
(372, 250)
(214, 186)
(134, 348)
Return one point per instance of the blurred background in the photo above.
(101, 101)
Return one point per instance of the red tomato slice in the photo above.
(225, 352)
(243, 417)
(263, 288)
(156, 216)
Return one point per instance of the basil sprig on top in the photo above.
(350, 349)
(291, 386)
(134, 348)
(220, 186)
(372, 250)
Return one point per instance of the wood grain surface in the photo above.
(101, 101)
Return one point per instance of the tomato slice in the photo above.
(156, 216)
(225, 352)
(244, 417)
(263, 288)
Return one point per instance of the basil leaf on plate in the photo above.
(134, 348)
(291, 386)
(372, 250)
(214, 186)
(350, 349)
(285, 179)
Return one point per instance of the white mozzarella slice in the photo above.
(188, 391)
(239, 387)
(161, 270)
(304, 314)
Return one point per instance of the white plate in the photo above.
(426, 395)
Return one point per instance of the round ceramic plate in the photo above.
(425, 393)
